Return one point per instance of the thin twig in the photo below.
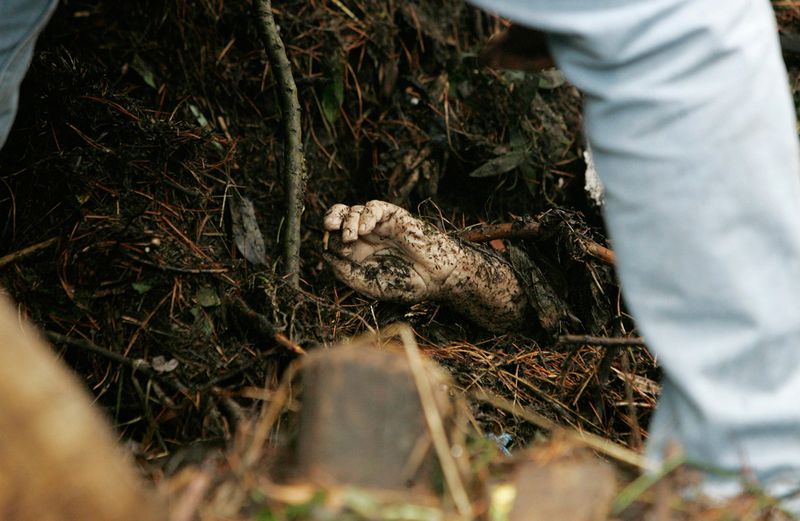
(264, 326)
(490, 232)
(602, 445)
(214, 382)
(177, 269)
(522, 230)
(270, 412)
(24, 252)
(137, 365)
(601, 340)
(345, 10)
(636, 435)
(599, 252)
(186, 505)
(435, 426)
(294, 159)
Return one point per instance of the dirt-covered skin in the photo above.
(386, 253)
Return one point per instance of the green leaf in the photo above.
(529, 173)
(141, 287)
(551, 79)
(266, 515)
(207, 297)
(501, 164)
(144, 70)
(304, 510)
(333, 97)
(198, 115)
(203, 122)
(202, 323)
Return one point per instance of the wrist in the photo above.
(484, 287)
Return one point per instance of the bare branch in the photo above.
(601, 341)
(522, 230)
(295, 172)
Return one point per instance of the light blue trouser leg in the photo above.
(694, 136)
(20, 24)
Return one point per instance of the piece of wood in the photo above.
(567, 491)
(601, 340)
(490, 232)
(24, 252)
(524, 229)
(362, 422)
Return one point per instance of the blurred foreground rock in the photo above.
(362, 421)
(555, 481)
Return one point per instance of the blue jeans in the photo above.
(20, 24)
(690, 119)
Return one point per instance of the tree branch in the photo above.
(601, 341)
(295, 172)
(522, 230)
(24, 252)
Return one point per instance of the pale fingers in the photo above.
(340, 248)
(421, 242)
(350, 224)
(377, 212)
(358, 220)
(391, 220)
(344, 218)
(334, 217)
(372, 214)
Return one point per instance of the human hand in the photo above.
(382, 251)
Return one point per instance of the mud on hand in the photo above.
(382, 251)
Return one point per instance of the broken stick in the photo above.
(523, 229)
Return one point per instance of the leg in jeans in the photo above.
(694, 136)
(20, 24)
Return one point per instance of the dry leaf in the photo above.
(246, 233)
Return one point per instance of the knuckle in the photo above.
(335, 209)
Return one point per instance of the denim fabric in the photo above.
(20, 24)
(693, 131)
